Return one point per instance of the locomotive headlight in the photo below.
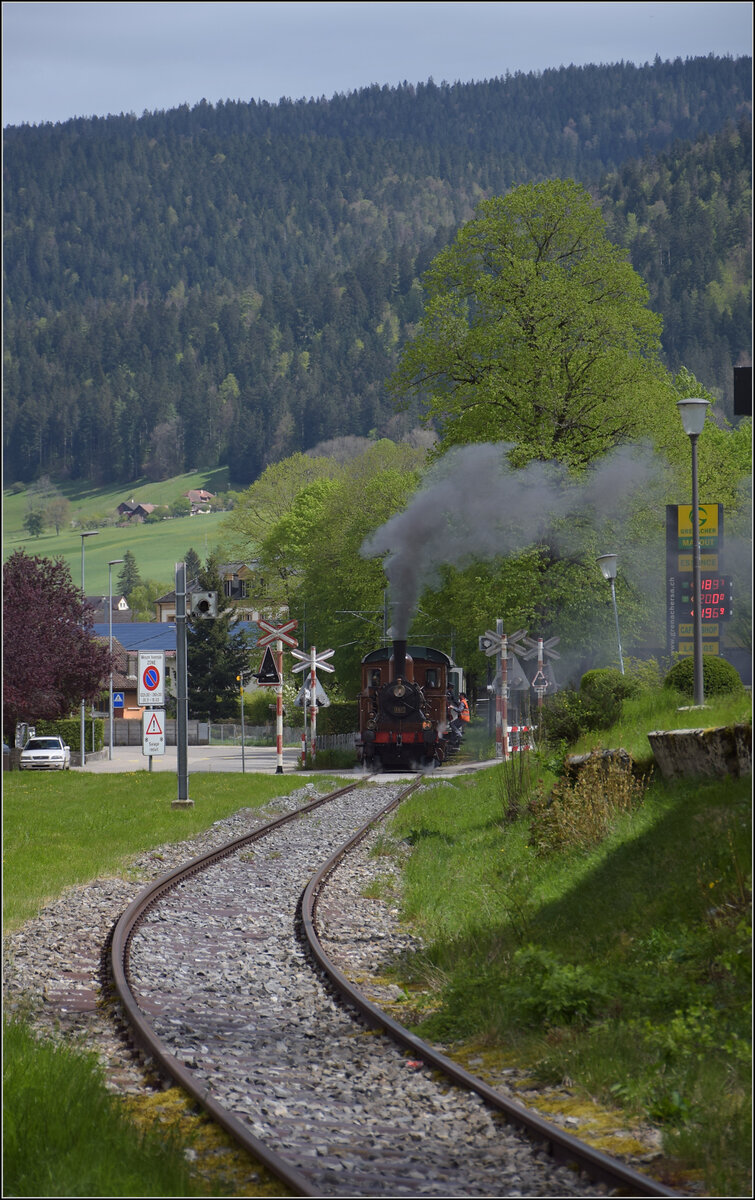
(399, 690)
(427, 724)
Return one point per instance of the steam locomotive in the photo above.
(403, 719)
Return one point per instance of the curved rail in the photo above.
(562, 1146)
(140, 1025)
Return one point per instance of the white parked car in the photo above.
(45, 754)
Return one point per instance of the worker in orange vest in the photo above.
(463, 707)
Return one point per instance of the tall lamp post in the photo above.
(111, 563)
(607, 564)
(85, 534)
(692, 412)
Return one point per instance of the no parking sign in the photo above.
(151, 679)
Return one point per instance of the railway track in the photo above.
(214, 967)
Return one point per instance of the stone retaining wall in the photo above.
(703, 753)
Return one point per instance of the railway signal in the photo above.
(278, 634)
(275, 633)
(505, 647)
(313, 660)
(543, 677)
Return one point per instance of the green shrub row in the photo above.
(69, 728)
(596, 704)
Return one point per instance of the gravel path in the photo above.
(228, 986)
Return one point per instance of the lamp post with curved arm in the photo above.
(607, 564)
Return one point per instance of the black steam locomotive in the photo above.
(403, 707)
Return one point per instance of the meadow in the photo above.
(155, 547)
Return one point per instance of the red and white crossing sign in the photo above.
(313, 660)
(274, 633)
(153, 732)
(151, 679)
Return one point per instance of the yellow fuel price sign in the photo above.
(708, 523)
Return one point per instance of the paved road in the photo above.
(200, 758)
(227, 758)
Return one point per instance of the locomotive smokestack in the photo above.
(399, 658)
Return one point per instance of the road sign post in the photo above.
(182, 693)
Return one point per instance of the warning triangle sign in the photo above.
(268, 673)
(153, 727)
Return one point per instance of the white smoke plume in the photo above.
(475, 506)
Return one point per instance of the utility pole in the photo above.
(182, 688)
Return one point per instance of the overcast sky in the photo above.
(63, 60)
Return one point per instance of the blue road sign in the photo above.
(117, 699)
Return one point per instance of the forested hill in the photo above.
(231, 283)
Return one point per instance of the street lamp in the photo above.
(693, 412)
(111, 563)
(607, 564)
(85, 534)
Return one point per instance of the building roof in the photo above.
(161, 635)
(142, 635)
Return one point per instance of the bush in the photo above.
(580, 813)
(604, 689)
(70, 731)
(564, 717)
(342, 716)
(719, 677)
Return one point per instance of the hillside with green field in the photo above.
(156, 548)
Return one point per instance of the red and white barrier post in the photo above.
(279, 709)
(313, 701)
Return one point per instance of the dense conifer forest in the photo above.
(232, 283)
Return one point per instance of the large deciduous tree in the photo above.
(536, 331)
(51, 660)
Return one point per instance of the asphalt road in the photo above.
(228, 758)
(200, 758)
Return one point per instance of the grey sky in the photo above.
(62, 60)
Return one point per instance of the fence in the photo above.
(204, 733)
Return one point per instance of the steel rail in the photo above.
(141, 1027)
(560, 1145)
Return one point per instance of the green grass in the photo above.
(64, 1134)
(624, 968)
(155, 547)
(70, 828)
(662, 709)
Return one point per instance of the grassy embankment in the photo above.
(64, 1133)
(608, 958)
(155, 547)
(620, 968)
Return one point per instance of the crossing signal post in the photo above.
(498, 643)
(313, 660)
(278, 634)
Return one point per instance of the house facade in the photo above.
(237, 580)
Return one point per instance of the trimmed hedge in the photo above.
(69, 728)
(719, 676)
